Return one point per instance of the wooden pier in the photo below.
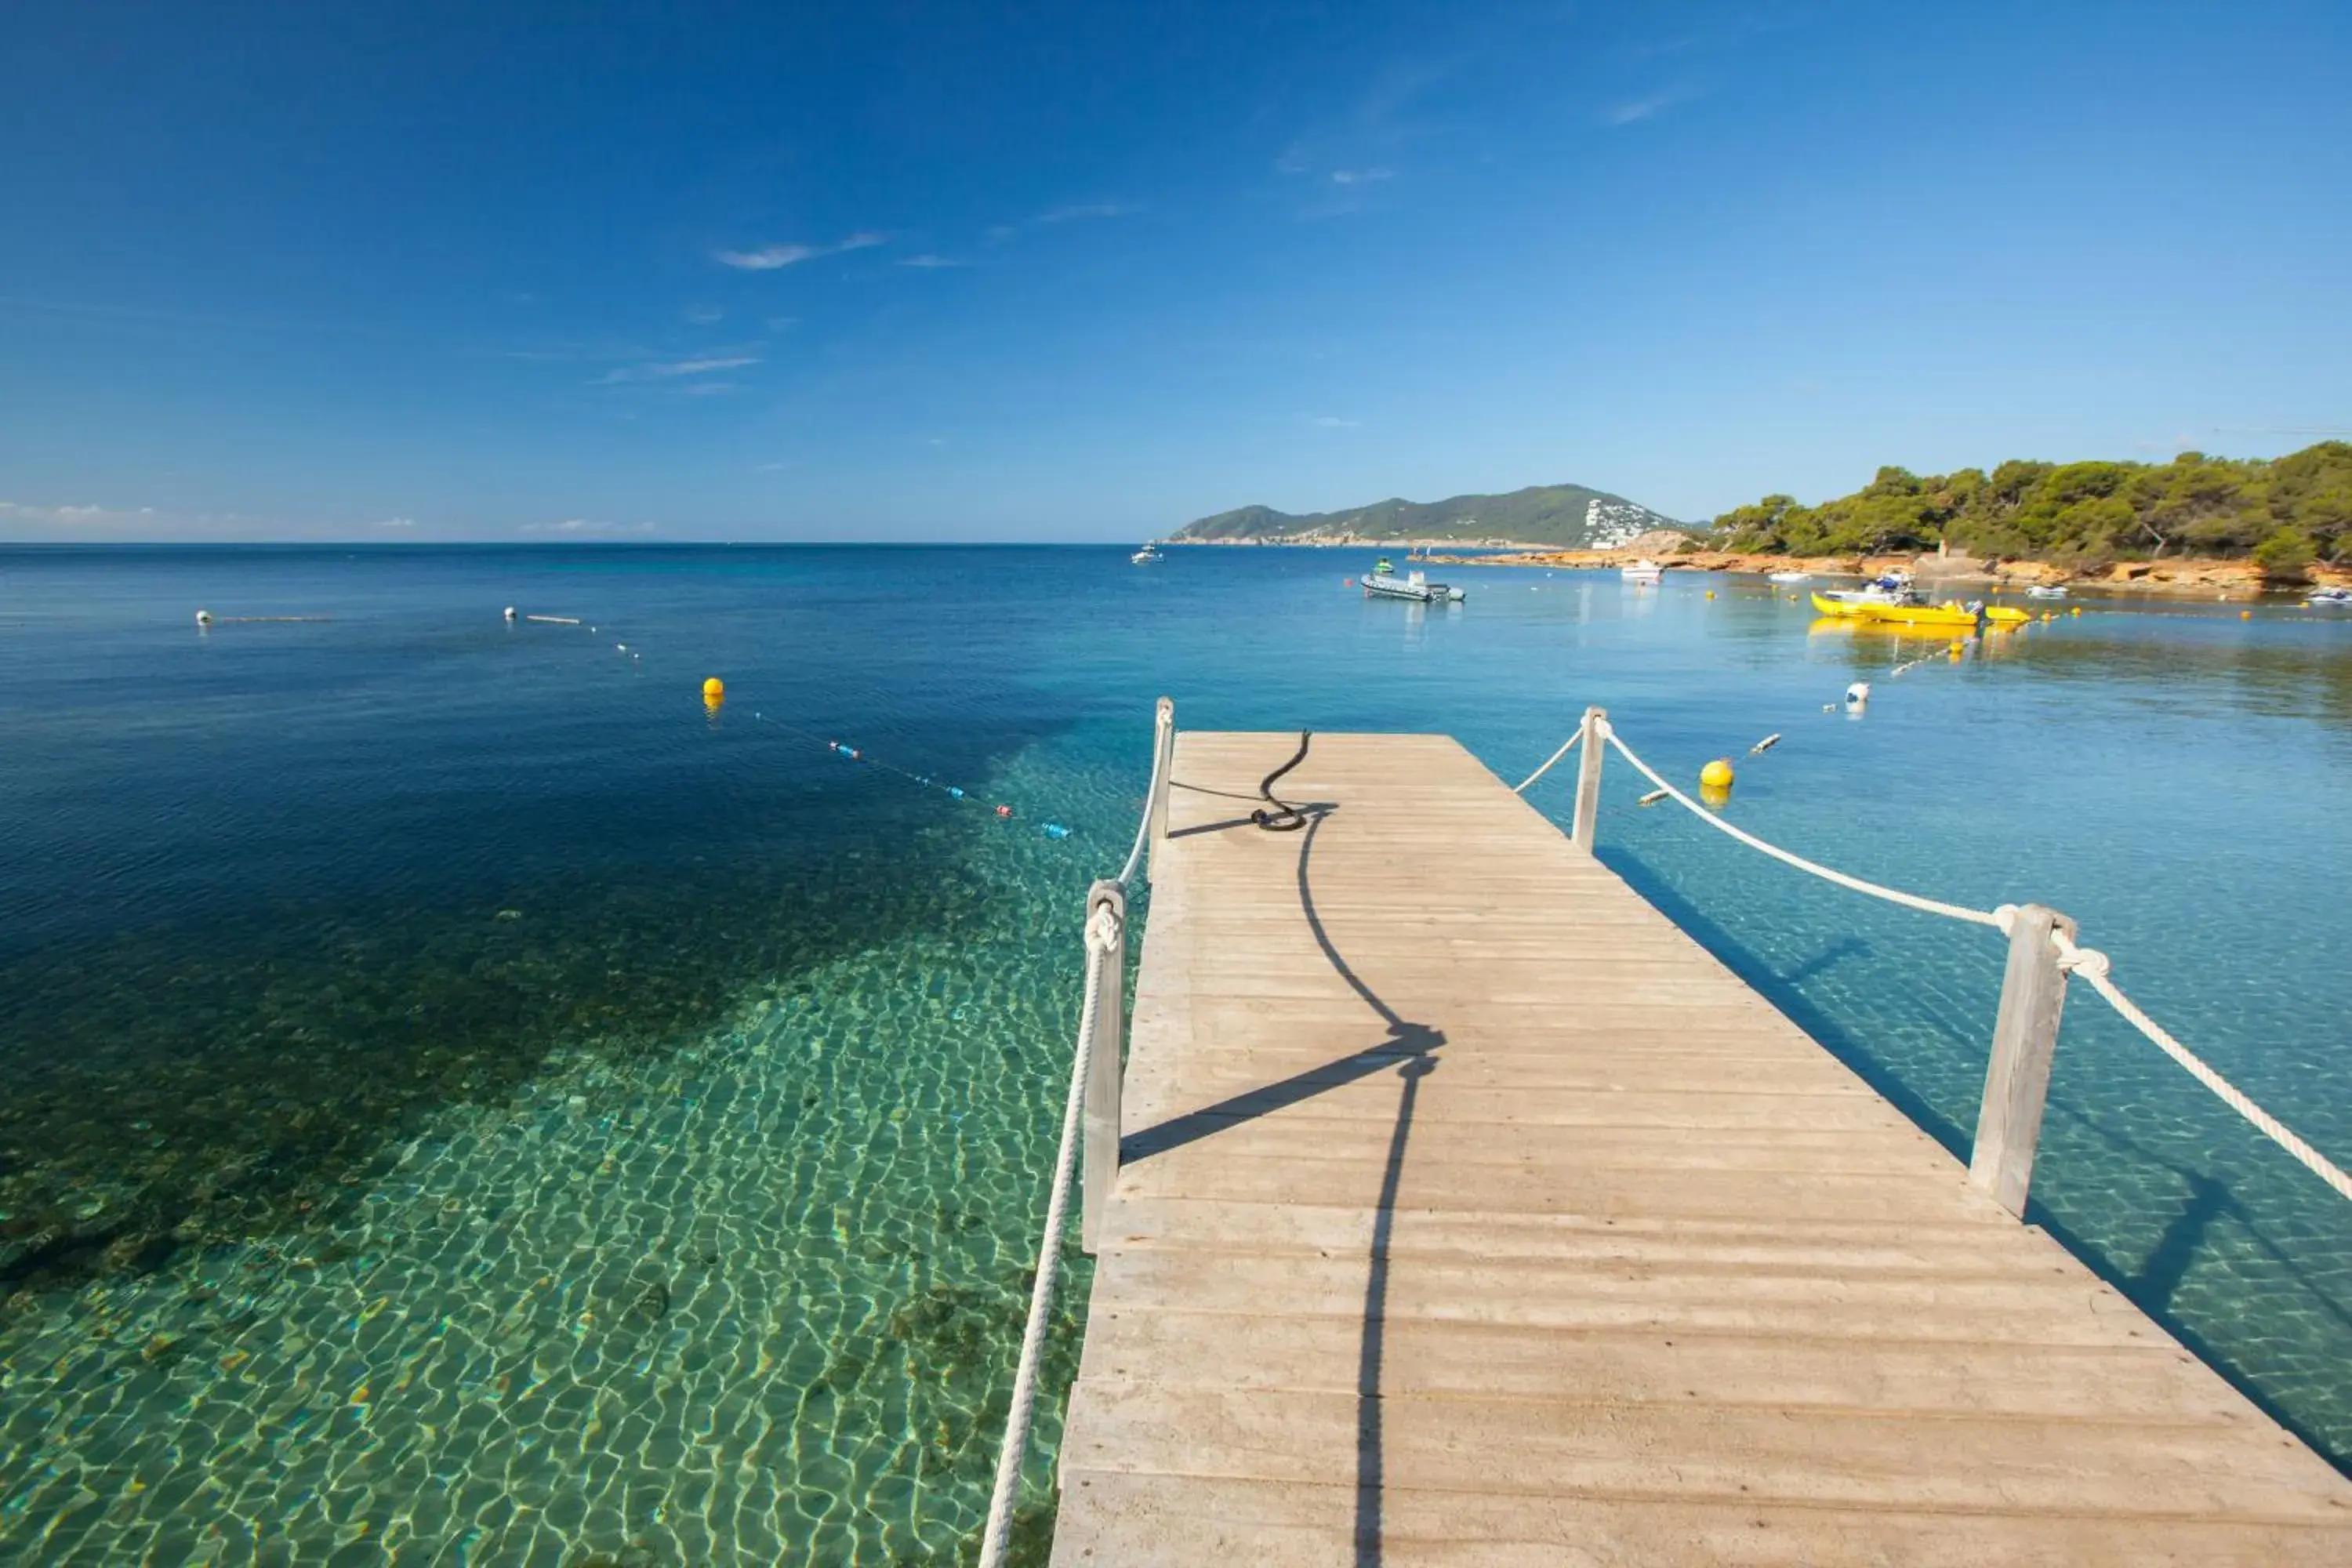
(1469, 1213)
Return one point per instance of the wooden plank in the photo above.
(1181, 1522)
(1646, 1276)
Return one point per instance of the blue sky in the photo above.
(461, 271)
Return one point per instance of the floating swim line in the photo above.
(842, 749)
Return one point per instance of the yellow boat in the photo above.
(2006, 615)
(1956, 618)
(1836, 606)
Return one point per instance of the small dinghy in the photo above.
(1642, 572)
(2046, 591)
(1792, 577)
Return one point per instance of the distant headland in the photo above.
(1567, 517)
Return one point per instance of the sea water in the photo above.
(463, 1100)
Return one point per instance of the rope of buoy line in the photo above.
(1285, 817)
(997, 1537)
(714, 693)
(2090, 964)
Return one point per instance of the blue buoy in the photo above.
(955, 792)
(1055, 830)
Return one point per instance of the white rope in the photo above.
(2089, 964)
(1102, 938)
(1163, 748)
(1566, 746)
(1891, 895)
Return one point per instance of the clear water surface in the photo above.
(466, 1102)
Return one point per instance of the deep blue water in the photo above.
(446, 1040)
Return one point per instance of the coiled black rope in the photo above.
(1285, 817)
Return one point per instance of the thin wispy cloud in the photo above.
(672, 370)
(771, 257)
(397, 522)
(1344, 156)
(1632, 112)
(929, 262)
(85, 516)
(1078, 211)
(1069, 212)
(1333, 422)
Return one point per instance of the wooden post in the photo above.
(1163, 758)
(1103, 1073)
(1588, 777)
(2024, 1037)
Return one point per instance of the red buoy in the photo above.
(1004, 810)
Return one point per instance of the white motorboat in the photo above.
(1149, 555)
(2046, 591)
(1892, 588)
(1792, 577)
(1642, 572)
(1384, 583)
(2341, 597)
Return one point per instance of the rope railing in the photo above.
(1102, 939)
(1566, 746)
(1891, 895)
(2090, 964)
(1106, 982)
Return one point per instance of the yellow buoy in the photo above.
(1710, 593)
(1959, 647)
(714, 690)
(2078, 609)
(2245, 614)
(1717, 774)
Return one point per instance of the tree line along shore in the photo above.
(2196, 524)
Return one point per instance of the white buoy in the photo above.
(1857, 694)
(203, 618)
(510, 612)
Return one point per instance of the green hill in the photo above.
(1568, 517)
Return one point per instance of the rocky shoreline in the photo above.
(2180, 576)
(2187, 576)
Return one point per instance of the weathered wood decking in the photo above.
(1472, 1214)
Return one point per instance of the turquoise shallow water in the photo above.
(468, 1104)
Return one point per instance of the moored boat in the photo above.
(1384, 583)
(1149, 555)
(1644, 570)
(2046, 591)
(1791, 577)
(1892, 588)
(1953, 618)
